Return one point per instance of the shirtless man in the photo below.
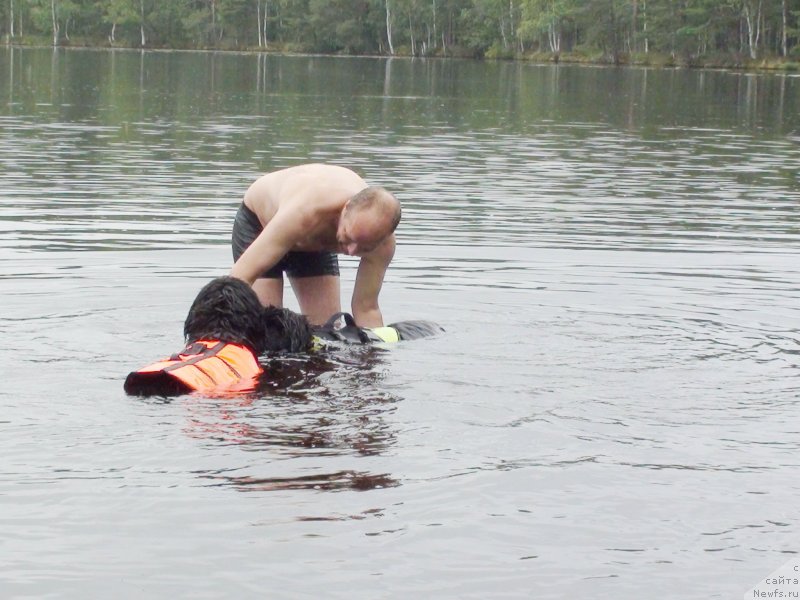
(296, 220)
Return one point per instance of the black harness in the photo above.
(341, 327)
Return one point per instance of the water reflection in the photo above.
(325, 406)
(324, 482)
(132, 86)
(154, 150)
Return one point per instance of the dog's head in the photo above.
(227, 309)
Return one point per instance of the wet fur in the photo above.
(286, 331)
(227, 309)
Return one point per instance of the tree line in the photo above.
(607, 29)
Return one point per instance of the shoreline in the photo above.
(771, 64)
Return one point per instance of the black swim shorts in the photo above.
(246, 228)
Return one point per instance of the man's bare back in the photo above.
(305, 214)
(318, 191)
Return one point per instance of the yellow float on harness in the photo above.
(386, 334)
(342, 327)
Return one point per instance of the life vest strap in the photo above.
(191, 350)
(198, 351)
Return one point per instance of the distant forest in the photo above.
(682, 31)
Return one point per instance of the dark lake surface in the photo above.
(614, 253)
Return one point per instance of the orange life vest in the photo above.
(205, 366)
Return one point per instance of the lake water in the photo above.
(614, 253)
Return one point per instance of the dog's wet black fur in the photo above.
(227, 309)
(286, 331)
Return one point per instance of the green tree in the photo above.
(117, 13)
(601, 25)
(685, 28)
(483, 25)
(44, 17)
(9, 16)
(291, 24)
(239, 21)
(548, 19)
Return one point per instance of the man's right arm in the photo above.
(277, 238)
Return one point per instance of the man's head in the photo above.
(367, 219)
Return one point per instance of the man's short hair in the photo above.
(377, 198)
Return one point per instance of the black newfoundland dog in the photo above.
(226, 330)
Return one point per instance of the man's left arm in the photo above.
(369, 280)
